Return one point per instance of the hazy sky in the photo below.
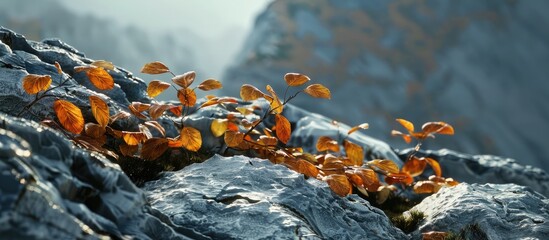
(207, 18)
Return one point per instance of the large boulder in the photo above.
(479, 65)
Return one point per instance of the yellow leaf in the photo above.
(318, 91)
(233, 138)
(219, 126)
(210, 84)
(191, 139)
(339, 184)
(276, 105)
(154, 148)
(156, 87)
(250, 93)
(307, 168)
(184, 80)
(406, 124)
(361, 126)
(133, 138)
(100, 78)
(187, 97)
(283, 128)
(100, 110)
(326, 143)
(384, 165)
(296, 79)
(155, 68)
(58, 67)
(354, 152)
(103, 64)
(69, 116)
(33, 83)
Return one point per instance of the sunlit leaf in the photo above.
(119, 115)
(267, 141)
(318, 91)
(438, 128)
(394, 178)
(369, 179)
(283, 128)
(156, 110)
(33, 83)
(128, 150)
(383, 193)
(187, 97)
(361, 126)
(184, 80)
(296, 79)
(250, 93)
(154, 148)
(175, 142)
(210, 84)
(100, 110)
(191, 139)
(156, 87)
(414, 166)
(155, 125)
(155, 68)
(58, 67)
(219, 126)
(434, 165)
(84, 68)
(307, 168)
(137, 107)
(426, 187)
(276, 105)
(133, 138)
(451, 182)
(100, 78)
(354, 152)
(406, 124)
(103, 64)
(177, 110)
(233, 138)
(325, 143)
(384, 165)
(69, 116)
(339, 184)
(407, 138)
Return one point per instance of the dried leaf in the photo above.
(414, 166)
(187, 97)
(296, 79)
(383, 193)
(210, 84)
(250, 93)
(361, 126)
(426, 187)
(267, 141)
(434, 235)
(434, 164)
(233, 138)
(100, 110)
(156, 110)
(58, 67)
(325, 143)
(275, 103)
(33, 83)
(354, 152)
(94, 130)
(103, 64)
(394, 178)
(406, 124)
(384, 165)
(84, 68)
(438, 128)
(119, 115)
(155, 68)
(307, 168)
(184, 80)
(339, 184)
(69, 116)
(156, 87)
(219, 126)
(133, 138)
(191, 139)
(128, 150)
(100, 78)
(154, 148)
(155, 125)
(93, 145)
(318, 91)
(136, 108)
(407, 138)
(369, 179)
(283, 128)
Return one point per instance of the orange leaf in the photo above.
(133, 138)
(156, 87)
(210, 84)
(318, 91)
(155, 68)
(184, 80)
(176, 110)
(187, 97)
(407, 138)
(339, 184)
(406, 124)
(233, 138)
(191, 139)
(93, 144)
(136, 108)
(307, 168)
(84, 68)
(157, 126)
(33, 83)
(414, 166)
(326, 144)
(119, 115)
(219, 126)
(361, 126)
(250, 93)
(267, 141)
(175, 142)
(276, 105)
(128, 150)
(156, 110)
(283, 128)
(103, 64)
(69, 116)
(296, 79)
(100, 110)
(58, 67)
(426, 187)
(369, 179)
(437, 127)
(434, 164)
(384, 165)
(393, 178)
(154, 148)
(354, 152)
(100, 78)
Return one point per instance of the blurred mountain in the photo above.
(479, 65)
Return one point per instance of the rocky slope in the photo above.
(479, 65)
(50, 188)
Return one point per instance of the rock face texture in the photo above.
(501, 211)
(247, 198)
(478, 65)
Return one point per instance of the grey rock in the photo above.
(502, 211)
(248, 198)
